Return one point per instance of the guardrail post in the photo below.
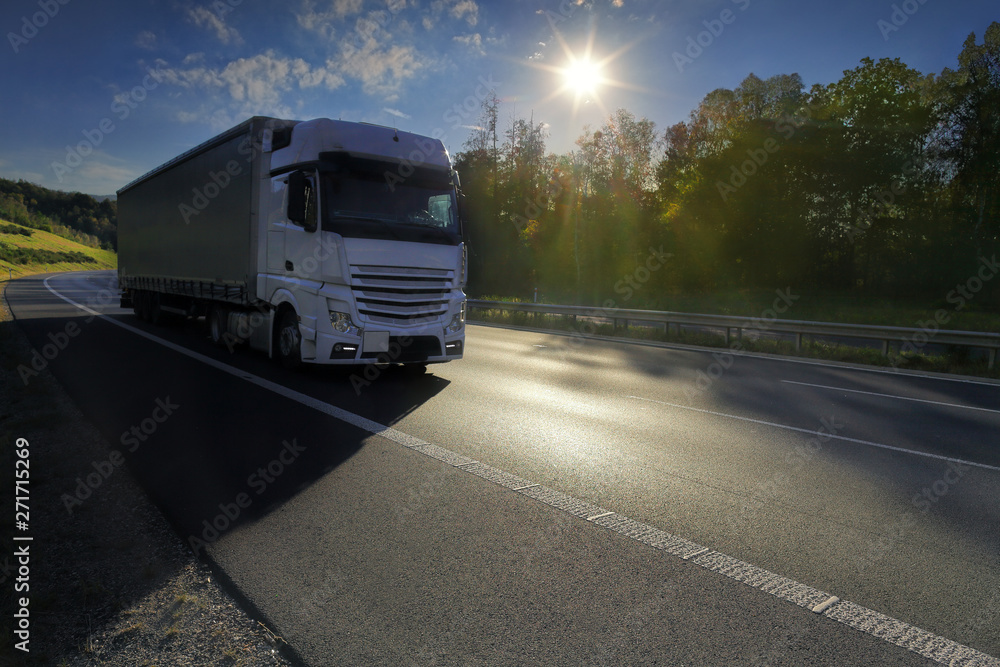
(798, 342)
(885, 348)
(727, 336)
(993, 358)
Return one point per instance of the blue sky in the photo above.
(97, 93)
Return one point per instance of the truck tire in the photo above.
(217, 325)
(156, 314)
(288, 343)
(139, 305)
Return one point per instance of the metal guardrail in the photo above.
(917, 338)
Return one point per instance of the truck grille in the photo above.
(401, 295)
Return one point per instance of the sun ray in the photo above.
(583, 76)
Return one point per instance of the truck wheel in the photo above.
(156, 314)
(289, 343)
(139, 304)
(217, 325)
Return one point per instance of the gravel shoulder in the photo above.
(109, 581)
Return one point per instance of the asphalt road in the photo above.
(363, 544)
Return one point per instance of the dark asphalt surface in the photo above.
(361, 551)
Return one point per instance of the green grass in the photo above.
(45, 252)
(981, 313)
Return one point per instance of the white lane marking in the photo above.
(826, 604)
(880, 626)
(901, 398)
(599, 516)
(823, 434)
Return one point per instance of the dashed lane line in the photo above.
(899, 398)
(886, 628)
(823, 434)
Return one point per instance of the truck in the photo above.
(318, 242)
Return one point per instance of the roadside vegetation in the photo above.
(90, 221)
(27, 251)
(819, 308)
(876, 197)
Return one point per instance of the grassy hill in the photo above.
(26, 251)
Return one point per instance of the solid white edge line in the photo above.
(826, 604)
(867, 443)
(901, 398)
(875, 624)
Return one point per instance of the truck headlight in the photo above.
(342, 323)
(457, 322)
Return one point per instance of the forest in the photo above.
(72, 215)
(886, 182)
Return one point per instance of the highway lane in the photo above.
(598, 421)
(602, 422)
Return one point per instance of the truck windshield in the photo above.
(367, 205)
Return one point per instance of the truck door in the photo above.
(293, 247)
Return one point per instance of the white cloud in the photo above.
(396, 112)
(205, 18)
(262, 84)
(322, 20)
(381, 71)
(146, 40)
(458, 9)
(466, 8)
(474, 42)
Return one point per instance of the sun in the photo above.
(582, 77)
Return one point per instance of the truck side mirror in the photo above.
(297, 197)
